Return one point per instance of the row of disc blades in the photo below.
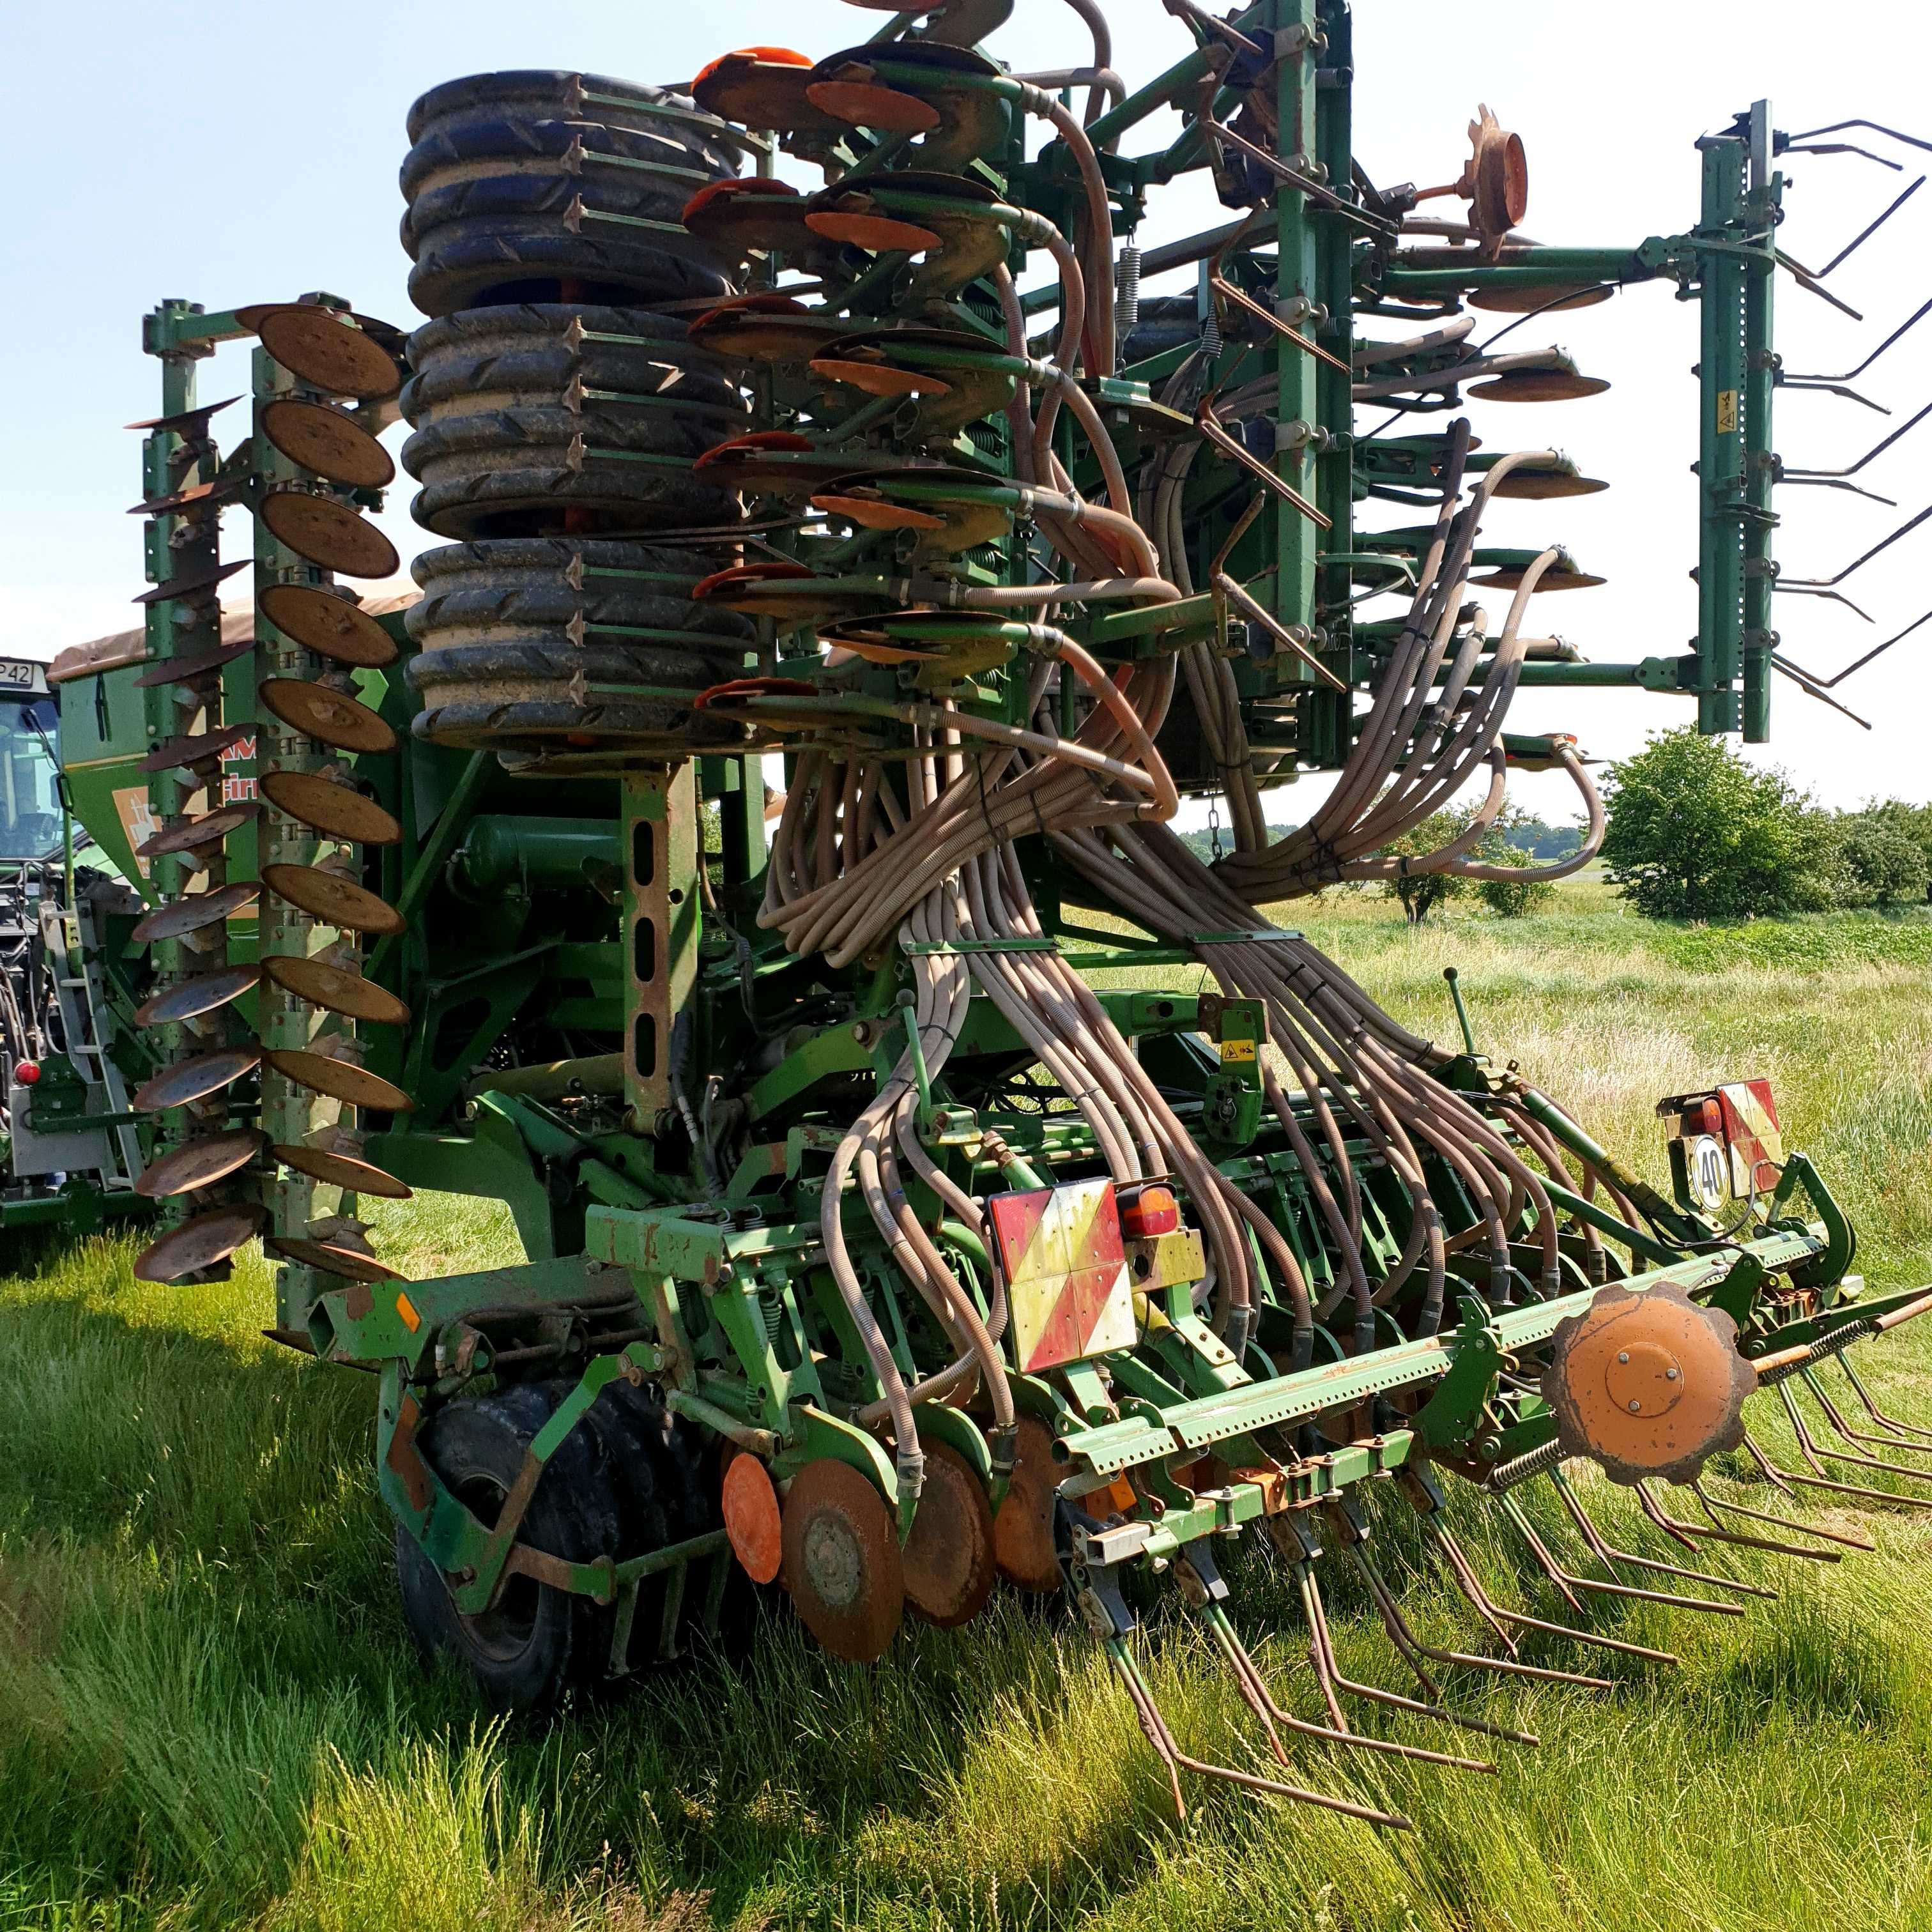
(220, 1165)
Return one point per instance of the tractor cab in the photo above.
(30, 802)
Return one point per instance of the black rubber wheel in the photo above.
(518, 432)
(514, 634)
(665, 1472)
(509, 175)
(537, 1642)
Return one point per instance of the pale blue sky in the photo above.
(230, 153)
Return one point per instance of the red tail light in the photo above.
(1149, 1210)
(26, 1073)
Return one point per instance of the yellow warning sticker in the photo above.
(407, 1308)
(1237, 1050)
(1727, 412)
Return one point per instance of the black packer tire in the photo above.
(514, 634)
(538, 1643)
(519, 430)
(509, 173)
(666, 1477)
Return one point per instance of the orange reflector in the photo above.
(1149, 1210)
(407, 1308)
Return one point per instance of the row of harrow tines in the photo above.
(259, 819)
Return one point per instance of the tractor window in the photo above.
(30, 812)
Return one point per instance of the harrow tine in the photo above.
(1691, 1533)
(1813, 1454)
(1779, 1479)
(1471, 1585)
(1262, 1701)
(1153, 1727)
(1871, 1407)
(1607, 1553)
(1565, 1581)
(1322, 1654)
(1402, 1635)
(1711, 1504)
(1784, 1478)
(1836, 1418)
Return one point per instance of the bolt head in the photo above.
(1623, 1354)
(1636, 1407)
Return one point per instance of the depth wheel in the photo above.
(528, 1650)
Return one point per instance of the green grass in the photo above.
(210, 1716)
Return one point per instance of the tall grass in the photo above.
(210, 1715)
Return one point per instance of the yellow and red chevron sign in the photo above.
(1752, 1133)
(1061, 1252)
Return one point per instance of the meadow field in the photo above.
(211, 1715)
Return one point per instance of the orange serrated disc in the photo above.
(1648, 1383)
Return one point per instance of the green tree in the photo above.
(1421, 892)
(1883, 864)
(1695, 832)
(1513, 898)
(1913, 821)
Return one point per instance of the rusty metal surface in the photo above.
(329, 897)
(841, 1560)
(948, 1558)
(325, 622)
(330, 717)
(1648, 1384)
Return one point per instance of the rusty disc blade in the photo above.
(324, 531)
(204, 993)
(194, 911)
(202, 1163)
(1524, 301)
(203, 747)
(1551, 580)
(841, 1560)
(866, 103)
(329, 353)
(328, 806)
(210, 829)
(327, 440)
(326, 623)
(195, 1079)
(185, 671)
(873, 513)
(769, 95)
(329, 897)
(200, 1243)
(1023, 1530)
(1539, 386)
(192, 584)
(331, 1257)
(330, 717)
(751, 1518)
(878, 234)
(336, 989)
(879, 378)
(948, 1558)
(339, 1079)
(343, 1170)
(1538, 485)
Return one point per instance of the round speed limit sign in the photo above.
(1710, 1170)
